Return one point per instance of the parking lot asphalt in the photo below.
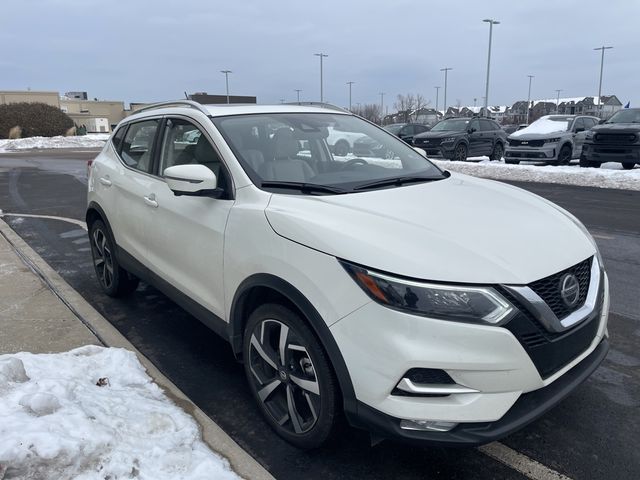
(591, 435)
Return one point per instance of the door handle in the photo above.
(151, 201)
(105, 181)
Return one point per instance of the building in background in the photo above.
(77, 95)
(84, 111)
(30, 96)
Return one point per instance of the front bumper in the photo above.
(533, 154)
(379, 345)
(603, 152)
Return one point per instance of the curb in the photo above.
(241, 462)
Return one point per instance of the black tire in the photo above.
(297, 394)
(564, 157)
(341, 148)
(460, 153)
(114, 280)
(512, 162)
(498, 152)
(628, 166)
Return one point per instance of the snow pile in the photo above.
(543, 126)
(93, 413)
(610, 175)
(92, 140)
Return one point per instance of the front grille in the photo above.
(550, 351)
(431, 142)
(549, 288)
(526, 143)
(618, 138)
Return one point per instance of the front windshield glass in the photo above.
(309, 149)
(393, 128)
(625, 116)
(457, 125)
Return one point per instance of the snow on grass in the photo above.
(92, 140)
(56, 421)
(610, 175)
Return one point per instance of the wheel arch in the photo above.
(263, 288)
(95, 212)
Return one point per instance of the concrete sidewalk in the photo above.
(41, 313)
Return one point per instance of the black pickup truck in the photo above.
(615, 140)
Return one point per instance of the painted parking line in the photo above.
(74, 221)
(521, 463)
(496, 450)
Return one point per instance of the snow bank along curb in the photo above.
(93, 412)
(212, 434)
(566, 175)
(93, 140)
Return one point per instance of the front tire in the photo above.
(114, 280)
(628, 166)
(584, 163)
(460, 153)
(290, 376)
(565, 155)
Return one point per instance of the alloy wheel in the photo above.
(102, 258)
(460, 153)
(284, 376)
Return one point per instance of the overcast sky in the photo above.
(152, 50)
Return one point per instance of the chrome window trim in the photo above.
(545, 315)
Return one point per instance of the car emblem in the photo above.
(524, 143)
(570, 290)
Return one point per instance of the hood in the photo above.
(617, 128)
(440, 134)
(461, 229)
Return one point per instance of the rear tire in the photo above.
(497, 153)
(290, 376)
(628, 166)
(114, 280)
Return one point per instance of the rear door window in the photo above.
(137, 147)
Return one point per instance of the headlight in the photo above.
(448, 139)
(589, 135)
(552, 140)
(446, 302)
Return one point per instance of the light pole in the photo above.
(437, 98)
(445, 70)
(491, 23)
(381, 107)
(226, 80)
(475, 101)
(297, 90)
(603, 48)
(529, 98)
(558, 99)
(321, 55)
(350, 84)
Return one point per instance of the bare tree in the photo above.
(370, 111)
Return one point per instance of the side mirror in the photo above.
(192, 180)
(471, 130)
(420, 151)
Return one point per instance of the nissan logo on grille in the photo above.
(569, 289)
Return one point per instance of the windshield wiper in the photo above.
(303, 187)
(398, 181)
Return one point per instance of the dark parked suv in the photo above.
(616, 140)
(459, 138)
(406, 131)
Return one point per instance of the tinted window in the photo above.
(408, 130)
(184, 143)
(117, 137)
(137, 148)
(475, 125)
(590, 122)
(487, 125)
(579, 124)
(421, 129)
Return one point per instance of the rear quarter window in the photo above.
(118, 137)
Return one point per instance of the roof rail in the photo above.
(180, 103)
(319, 104)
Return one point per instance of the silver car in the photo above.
(552, 139)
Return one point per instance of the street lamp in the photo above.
(603, 48)
(445, 70)
(558, 99)
(350, 84)
(437, 98)
(529, 98)
(226, 80)
(491, 23)
(381, 107)
(297, 90)
(321, 55)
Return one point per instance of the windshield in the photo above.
(625, 116)
(545, 125)
(394, 128)
(456, 125)
(290, 151)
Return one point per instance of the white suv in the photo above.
(422, 304)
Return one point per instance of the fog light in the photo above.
(427, 425)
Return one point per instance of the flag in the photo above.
(628, 103)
